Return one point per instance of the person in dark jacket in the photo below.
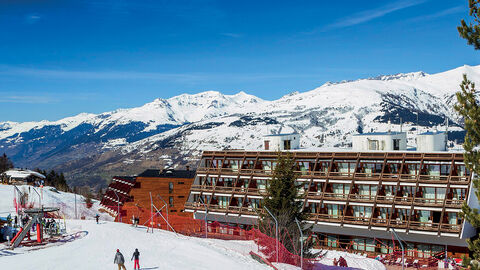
(119, 260)
(97, 217)
(342, 262)
(136, 262)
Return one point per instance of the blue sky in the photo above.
(61, 58)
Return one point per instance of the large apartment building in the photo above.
(355, 199)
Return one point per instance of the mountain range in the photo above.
(90, 148)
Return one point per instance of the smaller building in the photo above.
(380, 141)
(132, 195)
(23, 177)
(432, 141)
(281, 142)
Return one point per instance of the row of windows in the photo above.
(433, 168)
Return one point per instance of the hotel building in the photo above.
(355, 198)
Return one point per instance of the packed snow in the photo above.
(89, 245)
(50, 197)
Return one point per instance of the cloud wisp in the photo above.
(27, 99)
(32, 19)
(368, 15)
(442, 13)
(134, 75)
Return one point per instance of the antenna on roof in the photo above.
(401, 124)
(389, 125)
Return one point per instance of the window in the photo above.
(372, 144)
(396, 144)
(173, 210)
(170, 187)
(181, 197)
(286, 145)
(267, 145)
(170, 201)
(180, 183)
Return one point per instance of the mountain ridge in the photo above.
(180, 127)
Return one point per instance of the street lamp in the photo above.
(276, 229)
(401, 245)
(301, 243)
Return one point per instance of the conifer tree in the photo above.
(5, 163)
(471, 31)
(285, 202)
(468, 107)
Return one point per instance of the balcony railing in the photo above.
(371, 176)
(398, 223)
(335, 196)
(341, 174)
(459, 179)
(327, 217)
(380, 221)
(450, 228)
(356, 220)
(360, 197)
(403, 200)
(454, 203)
(408, 177)
(436, 178)
(427, 226)
(429, 201)
(385, 199)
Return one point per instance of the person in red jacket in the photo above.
(136, 256)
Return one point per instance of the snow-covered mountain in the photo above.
(177, 129)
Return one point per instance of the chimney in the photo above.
(187, 168)
(389, 126)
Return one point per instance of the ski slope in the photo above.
(95, 245)
(160, 250)
(50, 197)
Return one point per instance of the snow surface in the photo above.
(95, 245)
(51, 198)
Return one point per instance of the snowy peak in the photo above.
(400, 76)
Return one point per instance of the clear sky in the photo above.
(61, 58)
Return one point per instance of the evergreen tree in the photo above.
(285, 202)
(5, 163)
(471, 31)
(468, 107)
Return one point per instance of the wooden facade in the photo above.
(411, 192)
(168, 189)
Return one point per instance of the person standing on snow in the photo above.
(97, 217)
(119, 260)
(136, 256)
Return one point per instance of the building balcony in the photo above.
(424, 226)
(356, 220)
(460, 180)
(452, 228)
(335, 196)
(341, 175)
(429, 202)
(326, 217)
(398, 223)
(360, 197)
(456, 203)
(385, 199)
(369, 176)
(433, 178)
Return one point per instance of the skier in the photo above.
(119, 260)
(97, 217)
(136, 256)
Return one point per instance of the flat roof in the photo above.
(432, 133)
(380, 133)
(168, 173)
(281, 134)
